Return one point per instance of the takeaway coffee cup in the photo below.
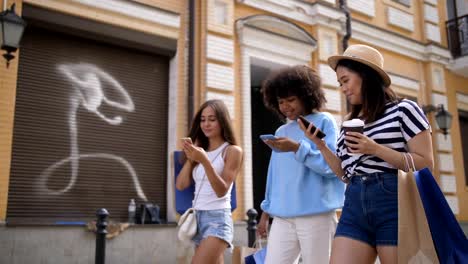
(354, 125)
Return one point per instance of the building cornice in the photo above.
(324, 15)
(401, 45)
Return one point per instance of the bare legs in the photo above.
(210, 251)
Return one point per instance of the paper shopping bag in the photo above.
(415, 243)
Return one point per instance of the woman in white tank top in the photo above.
(213, 162)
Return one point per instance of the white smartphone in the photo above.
(187, 139)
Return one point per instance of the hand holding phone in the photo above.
(270, 137)
(306, 123)
(186, 139)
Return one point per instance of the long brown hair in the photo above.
(222, 115)
(375, 95)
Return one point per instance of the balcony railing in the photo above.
(457, 34)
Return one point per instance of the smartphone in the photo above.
(187, 139)
(270, 137)
(306, 123)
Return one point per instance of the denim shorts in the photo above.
(215, 223)
(370, 211)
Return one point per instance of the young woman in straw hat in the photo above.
(369, 161)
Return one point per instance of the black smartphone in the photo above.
(306, 123)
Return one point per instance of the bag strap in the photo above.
(202, 181)
(409, 166)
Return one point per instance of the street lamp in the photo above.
(11, 30)
(443, 117)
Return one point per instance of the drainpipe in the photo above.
(347, 36)
(191, 60)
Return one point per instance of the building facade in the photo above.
(93, 105)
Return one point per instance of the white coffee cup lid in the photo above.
(353, 123)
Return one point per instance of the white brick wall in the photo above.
(366, 7)
(219, 48)
(433, 2)
(328, 76)
(296, 50)
(333, 99)
(227, 99)
(438, 78)
(404, 82)
(400, 19)
(452, 200)
(439, 99)
(446, 162)
(431, 14)
(444, 144)
(462, 102)
(448, 183)
(432, 32)
(462, 98)
(220, 77)
(328, 44)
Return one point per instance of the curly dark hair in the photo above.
(300, 81)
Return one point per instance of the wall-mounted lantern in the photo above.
(443, 117)
(11, 30)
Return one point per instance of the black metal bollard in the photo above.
(101, 233)
(252, 226)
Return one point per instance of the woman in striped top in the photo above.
(368, 226)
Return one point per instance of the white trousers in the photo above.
(309, 237)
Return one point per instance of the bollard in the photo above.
(252, 226)
(101, 233)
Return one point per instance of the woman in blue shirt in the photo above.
(302, 191)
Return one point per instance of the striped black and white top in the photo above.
(399, 123)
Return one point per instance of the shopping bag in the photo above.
(414, 238)
(450, 242)
(259, 256)
(239, 254)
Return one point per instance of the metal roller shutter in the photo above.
(90, 129)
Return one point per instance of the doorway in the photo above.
(263, 122)
(463, 119)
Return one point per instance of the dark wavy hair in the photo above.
(300, 81)
(374, 93)
(222, 115)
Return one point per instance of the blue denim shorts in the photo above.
(370, 211)
(215, 223)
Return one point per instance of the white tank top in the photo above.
(207, 198)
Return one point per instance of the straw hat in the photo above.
(363, 54)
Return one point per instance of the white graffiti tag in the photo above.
(87, 92)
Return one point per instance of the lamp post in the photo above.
(443, 117)
(11, 30)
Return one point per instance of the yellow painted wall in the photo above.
(8, 79)
(380, 19)
(456, 83)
